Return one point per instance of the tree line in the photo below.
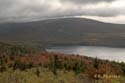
(23, 58)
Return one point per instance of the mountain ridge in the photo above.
(65, 31)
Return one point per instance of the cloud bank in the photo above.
(86, 1)
(29, 10)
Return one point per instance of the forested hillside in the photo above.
(64, 31)
(21, 65)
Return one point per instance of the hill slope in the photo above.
(65, 31)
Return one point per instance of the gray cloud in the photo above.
(86, 1)
(28, 10)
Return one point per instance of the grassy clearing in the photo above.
(46, 76)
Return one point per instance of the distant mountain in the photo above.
(65, 31)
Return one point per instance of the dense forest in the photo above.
(20, 64)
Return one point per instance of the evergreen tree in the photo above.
(96, 63)
(78, 68)
(37, 72)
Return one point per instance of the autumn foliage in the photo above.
(56, 61)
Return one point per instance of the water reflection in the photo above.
(117, 54)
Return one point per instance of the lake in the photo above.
(115, 54)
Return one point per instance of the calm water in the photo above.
(117, 54)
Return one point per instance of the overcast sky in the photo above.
(28, 10)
